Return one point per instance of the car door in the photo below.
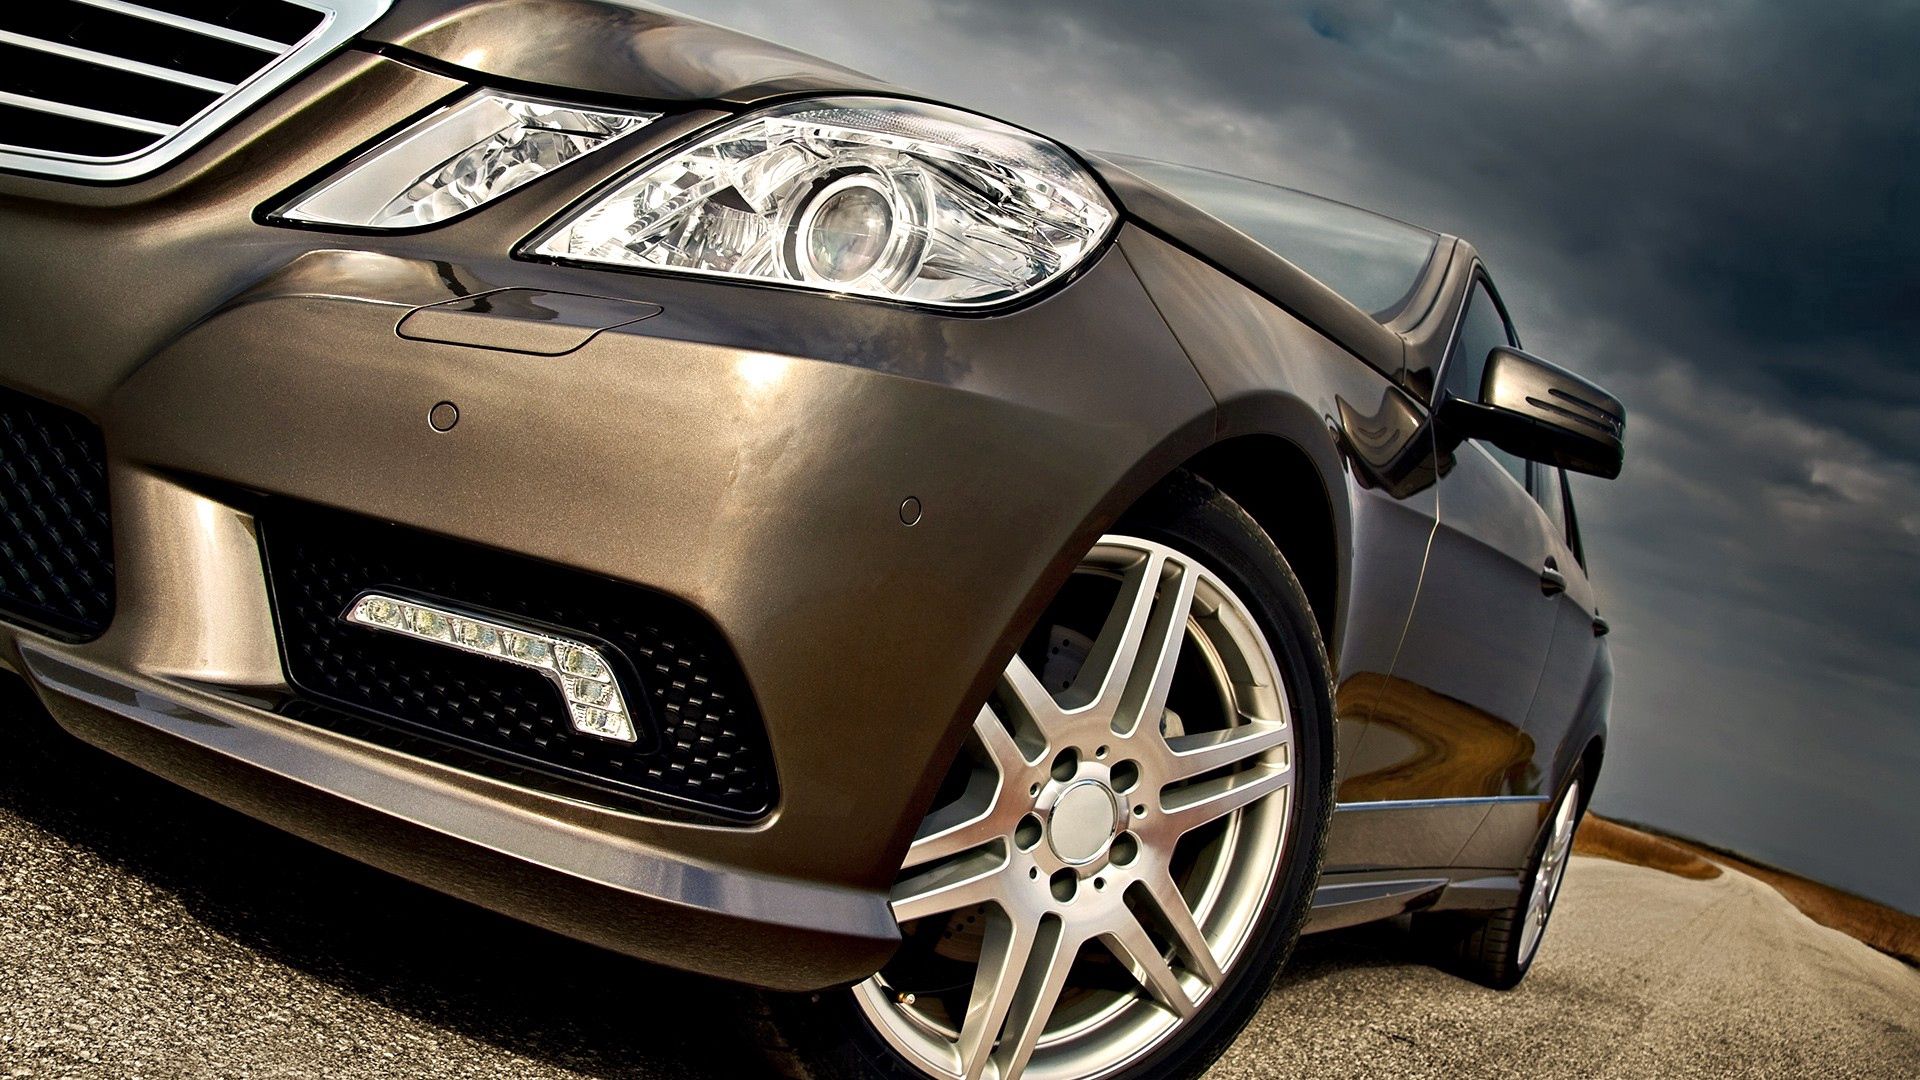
(1577, 626)
(1448, 737)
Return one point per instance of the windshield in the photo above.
(1370, 259)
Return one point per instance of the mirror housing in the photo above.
(1544, 413)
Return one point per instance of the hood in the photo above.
(608, 47)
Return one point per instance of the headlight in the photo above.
(465, 155)
(868, 196)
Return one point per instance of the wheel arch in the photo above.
(1278, 384)
(1281, 488)
(1586, 742)
(1590, 764)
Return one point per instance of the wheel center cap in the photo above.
(1083, 819)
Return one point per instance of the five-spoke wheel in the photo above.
(1135, 803)
(1122, 853)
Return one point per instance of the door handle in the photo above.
(1552, 581)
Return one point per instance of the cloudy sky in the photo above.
(1712, 207)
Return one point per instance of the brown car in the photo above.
(709, 503)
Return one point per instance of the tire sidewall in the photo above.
(1192, 517)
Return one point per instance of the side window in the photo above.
(1549, 488)
(1482, 329)
(1573, 518)
(1513, 464)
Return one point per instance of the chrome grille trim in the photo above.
(341, 21)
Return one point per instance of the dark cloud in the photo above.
(1711, 206)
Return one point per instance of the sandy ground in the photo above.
(147, 933)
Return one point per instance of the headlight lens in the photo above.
(868, 196)
(461, 157)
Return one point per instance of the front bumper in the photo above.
(460, 837)
(746, 451)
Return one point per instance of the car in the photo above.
(988, 596)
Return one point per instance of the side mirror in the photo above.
(1542, 412)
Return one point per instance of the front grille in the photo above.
(114, 89)
(702, 749)
(56, 541)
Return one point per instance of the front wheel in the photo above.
(1124, 853)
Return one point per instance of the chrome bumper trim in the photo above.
(277, 746)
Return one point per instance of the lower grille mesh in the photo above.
(705, 749)
(56, 540)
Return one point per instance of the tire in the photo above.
(1494, 948)
(876, 1029)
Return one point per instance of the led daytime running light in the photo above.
(594, 702)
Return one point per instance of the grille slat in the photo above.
(69, 134)
(117, 63)
(119, 38)
(46, 77)
(703, 750)
(173, 71)
(194, 26)
(264, 23)
(84, 114)
(56, 541)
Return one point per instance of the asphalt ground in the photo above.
(145, 932)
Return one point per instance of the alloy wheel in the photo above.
(1109, 840)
